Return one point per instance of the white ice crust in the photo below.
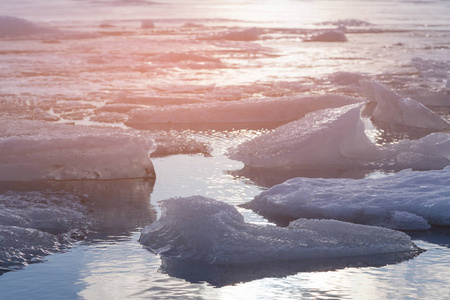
(31, 150)
(214, 232)
(336, 138)
(267, 110)
(393, 109)
(323, 138)
(408, 200)
(328, 36)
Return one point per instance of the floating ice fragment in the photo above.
(335, 139)
(202, 229)
(264, 111)
(147, 24)
(32, 150)
(408, 200)
(328, 36)
(330, 137)
(427, 153)
(391, 108)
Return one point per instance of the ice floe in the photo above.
(206, 230)
(328, 36)
(391, 108)
(408, 200)
(32, 150)
(330, 137)
(246, 111)
(336, 138)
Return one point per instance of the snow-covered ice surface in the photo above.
(99, 91)
(391, 108)
(33, 150)
(199, 228)
(331, 137)
(407, 200)
(336, 139)
(240, 114)
(211, 238)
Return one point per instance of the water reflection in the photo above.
(268, 177)
(223, 275)
(438, 235)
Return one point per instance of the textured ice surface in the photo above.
(408, 200)
(328, 36)
(427, 153)
(33, 224)
(336, 138)
(235, 112)
(324, 138)
(31, 150)
(393, 109)
(204, 229)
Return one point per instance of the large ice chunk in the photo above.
(198, 228)
(328, 36)
(428, 153)
(336, 139)
(408, 200)
(391, 108)
(31, 150)
(331, 137)
(264, 111)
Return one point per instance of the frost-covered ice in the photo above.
(428, 153)
(32, 150)
(328, 36)
(336, 138)
(330, 137)
(267, 111)
(207, 230)
(408, 200)
(33, 224)
(391, 108)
